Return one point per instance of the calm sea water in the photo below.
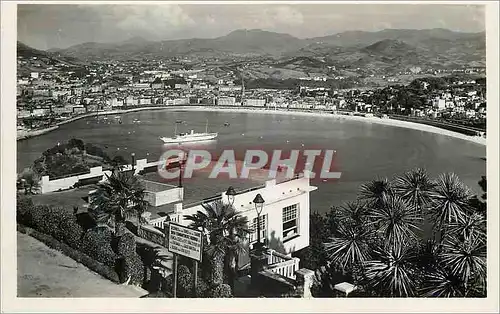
(364, 150)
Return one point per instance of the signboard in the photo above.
(185, 241)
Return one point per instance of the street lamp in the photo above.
(231, 193)
(259, 205)
(133, 160)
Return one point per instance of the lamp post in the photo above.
(259, 205)
(231, 193)
(133, 161)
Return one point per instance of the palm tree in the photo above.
(468, 226)
(226, 230)
(121, 194)
(449, 203)
(355, 212)
(375, 191)
(442, 283)
(350, 246)
(393, 272)
(395, 220)
(415, 187)
(466, 259)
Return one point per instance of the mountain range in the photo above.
(389, 48)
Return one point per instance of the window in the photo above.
(263, 229)
(290, 221)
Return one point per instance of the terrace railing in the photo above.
(282, 264)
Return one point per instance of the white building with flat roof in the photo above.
(284, 220)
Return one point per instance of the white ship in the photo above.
(189, 137)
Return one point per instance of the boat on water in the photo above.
(189, 137)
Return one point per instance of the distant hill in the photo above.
(45, 59)
(390, 48)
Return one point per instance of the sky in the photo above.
(45, 26)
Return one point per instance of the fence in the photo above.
(282, 264)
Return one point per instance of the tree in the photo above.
(226, 230)
(415, 187)
(29, 180)
(392, 272)
(376, 243)
(449, 203)
(395, 220)
(375, 191)
(122, 193)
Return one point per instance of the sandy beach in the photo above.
(385, 121)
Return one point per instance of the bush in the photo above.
(201, 288)
(78, 256)
(71, 231)
(24, 208)
(97, 244)
(221, 291)
(135, 268)
(184, 281)
(126, 245)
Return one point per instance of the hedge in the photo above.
(105, 271)
(97, 244)
(126, 245)
(221, 291)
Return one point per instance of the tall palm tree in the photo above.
(415, 187)
(226, 230)
(392, 272)
(395, 220)
(121, 194)
(449, 203)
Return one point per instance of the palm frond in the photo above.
(393, 272)
(450, 200)
(396, 220)
(465, 258)
(351, 247)
(415, 187)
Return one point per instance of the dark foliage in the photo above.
(126, 245)
(97, 244)
(221, 291)
(105, 271)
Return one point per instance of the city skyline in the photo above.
(61, 26)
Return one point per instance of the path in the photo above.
(44, 272)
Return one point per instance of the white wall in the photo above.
(276, 196)
(48, 185)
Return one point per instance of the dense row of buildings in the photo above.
(60, 92)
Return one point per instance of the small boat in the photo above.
(227, 124)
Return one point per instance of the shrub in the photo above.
(71, 231)
(184, 281)
(78, 256)
(97, 244)
(201, 288)
(38, 218)
(23, 209)
(221, 291)
(135, 268)
(126, 245)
